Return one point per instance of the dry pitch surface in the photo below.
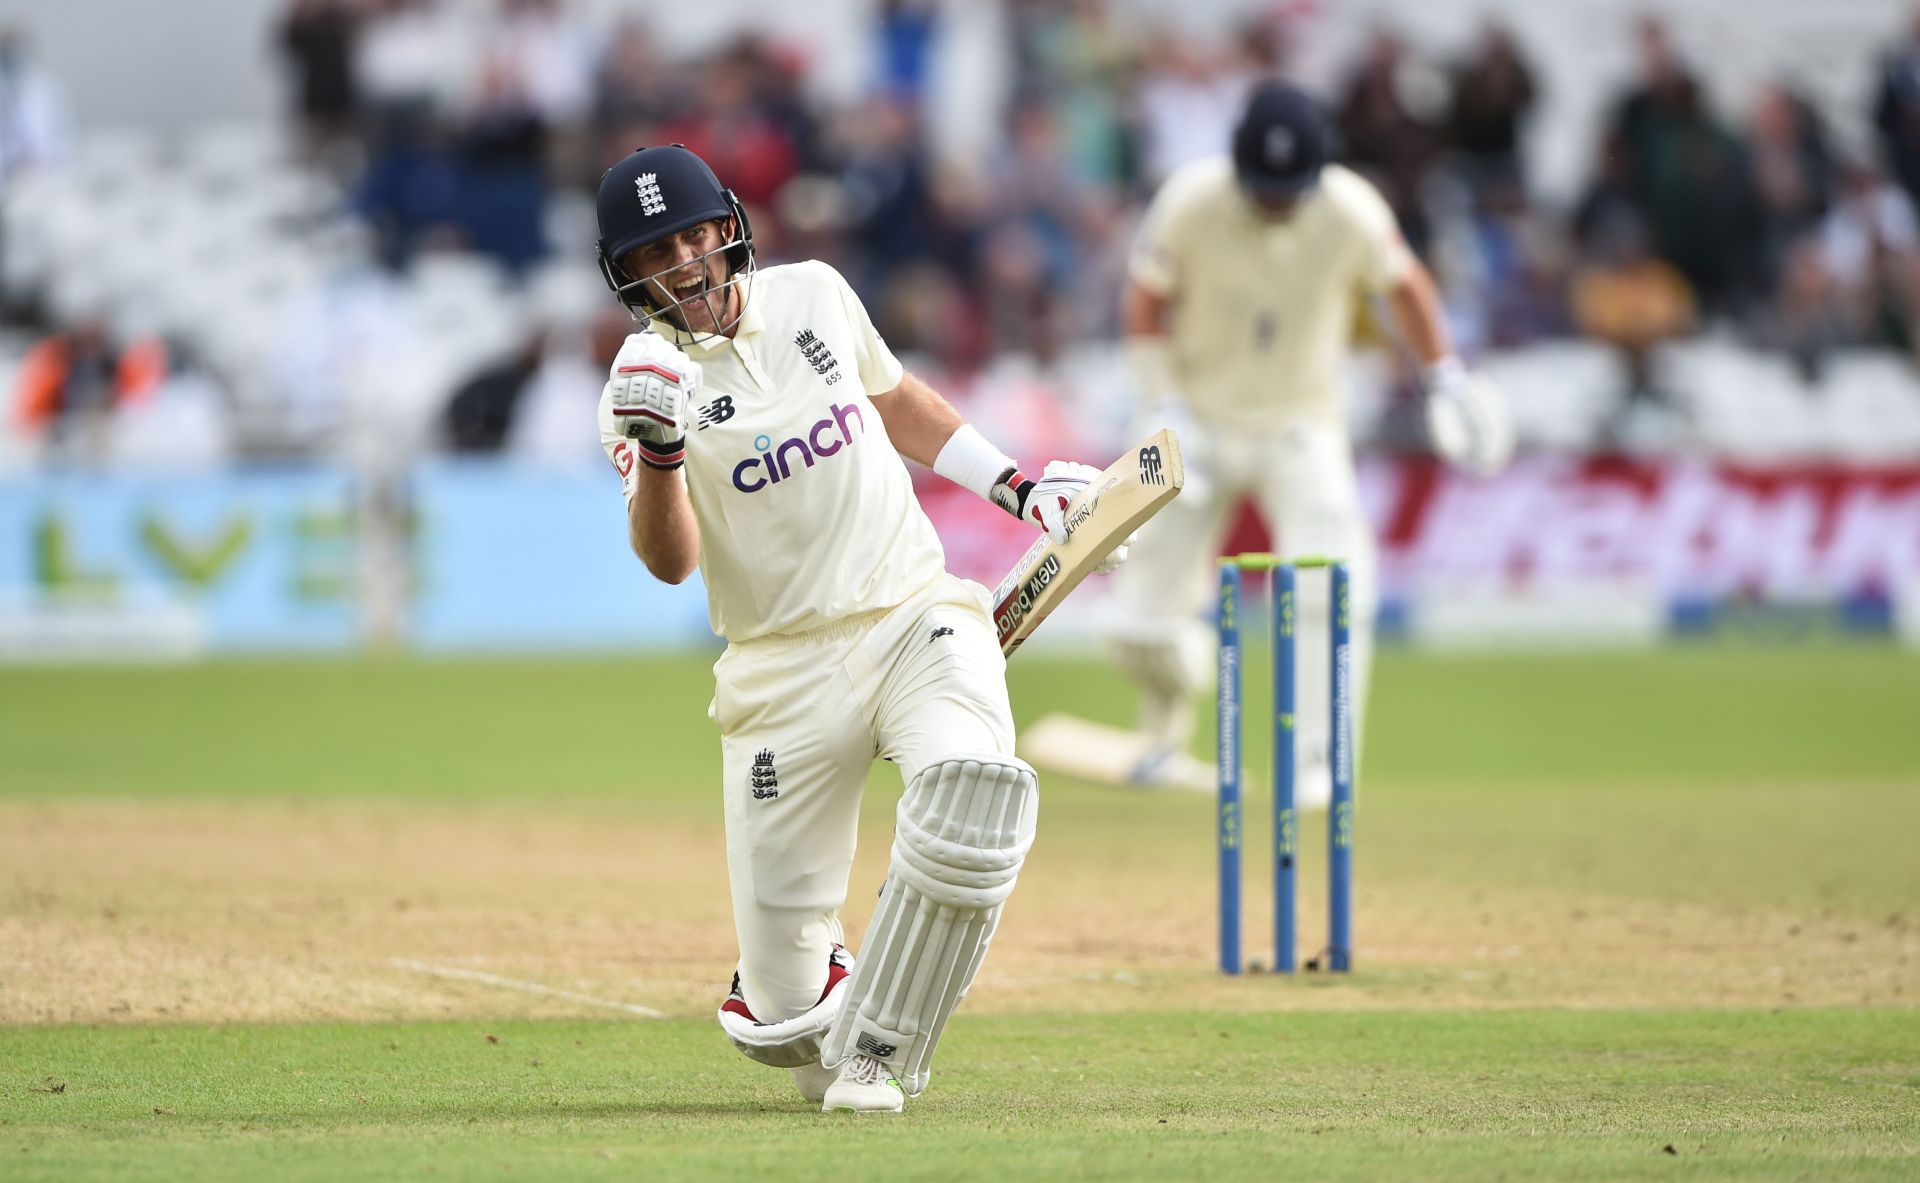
(1710, 829)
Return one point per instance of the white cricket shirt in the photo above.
(806, 512)
(1262, 312)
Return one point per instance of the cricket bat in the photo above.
(1111, 755)
(1129, 492)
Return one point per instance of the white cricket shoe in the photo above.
(813, 1081)
(866, 1085)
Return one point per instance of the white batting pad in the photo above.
(961, 834)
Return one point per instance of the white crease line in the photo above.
(487, 979)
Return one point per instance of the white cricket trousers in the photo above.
(802, 719)
(1302, 479)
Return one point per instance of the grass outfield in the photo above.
(1607, 905)
(1559, 1095)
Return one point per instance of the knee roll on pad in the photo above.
(961, 835)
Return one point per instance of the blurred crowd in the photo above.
(453, 139)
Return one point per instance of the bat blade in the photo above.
(1131, 490)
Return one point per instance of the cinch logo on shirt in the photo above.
(774, 463)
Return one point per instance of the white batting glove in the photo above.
(1467, 419)
(652, 388)
(1044, 502)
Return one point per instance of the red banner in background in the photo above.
(982, 540)
(1685, 529)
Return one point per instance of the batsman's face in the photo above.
(686, 275)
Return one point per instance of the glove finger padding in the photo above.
(1060, 482)
(652, 388)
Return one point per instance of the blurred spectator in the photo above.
(499, 200)
(1493, 92)
(1627, 297)
(1076, 58)
(546, 48)
(1869, 245)
(317, 37)
(1689, 177)
(1034, 183)
(1807, 320)
(552, 423)
(890, 212)
(545, 45)
(1189, 98)
(631, 94)
(482, 409)
(1793, 173)
(1896, 111)
(779, 93)
(1027, 393)
(407, 63)
(904, 34)
(33, 114)
(1382, 136)
(1518, 269)
(730, 130)
(997, 263)
(71, 384)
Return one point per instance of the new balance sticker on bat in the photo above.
(1014, 604)
(1152, 469)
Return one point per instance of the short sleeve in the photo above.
(880, 371)
(1384, 257)
(1154, 261)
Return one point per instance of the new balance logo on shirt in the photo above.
(718, 410)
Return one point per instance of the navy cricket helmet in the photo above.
(655, 192)
(1281, 142)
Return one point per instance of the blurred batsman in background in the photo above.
(758, 427)
(1238, 311)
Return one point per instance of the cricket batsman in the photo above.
(1238, 311)
(757, 424)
